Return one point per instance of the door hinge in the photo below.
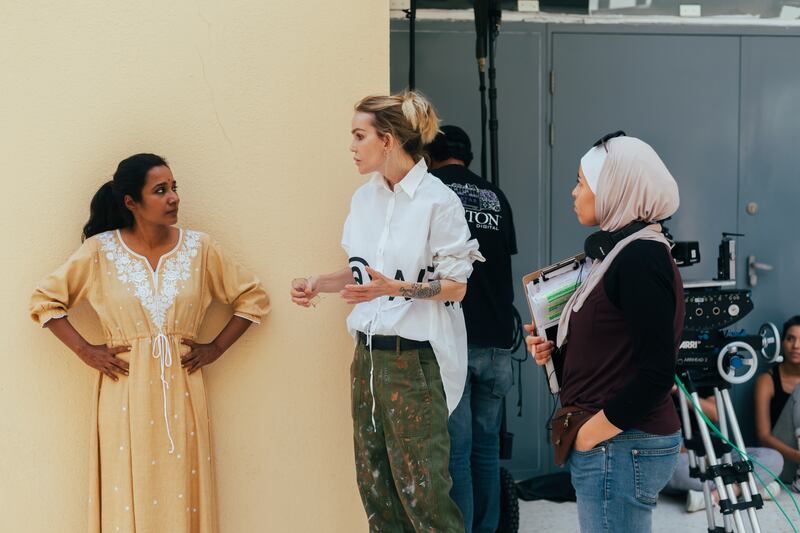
(552, 134)
(552, 82)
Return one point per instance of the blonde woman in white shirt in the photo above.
(409, 259)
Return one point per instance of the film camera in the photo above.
(714, 354)
(711, 359)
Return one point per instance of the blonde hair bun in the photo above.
(420, 114)
(408, 116)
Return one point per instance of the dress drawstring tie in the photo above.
(163, 353)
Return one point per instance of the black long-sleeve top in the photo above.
(622, 344)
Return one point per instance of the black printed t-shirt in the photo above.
(490, 293)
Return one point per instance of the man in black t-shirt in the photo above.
(488, 311)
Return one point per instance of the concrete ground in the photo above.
(670, 517)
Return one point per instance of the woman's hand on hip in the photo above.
(102, 358)
(583, 440)
(596, 430)
(199, 355)
(540, 348)
(379, 286)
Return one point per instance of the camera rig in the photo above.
(711, 359)
(716, 355)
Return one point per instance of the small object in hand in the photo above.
(300, 284)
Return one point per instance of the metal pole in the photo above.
(481, 10)
(412, 18)
(494, 31)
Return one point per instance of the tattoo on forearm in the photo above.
(419, 290)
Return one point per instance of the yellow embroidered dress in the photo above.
(151, 460)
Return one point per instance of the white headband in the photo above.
(592, 164)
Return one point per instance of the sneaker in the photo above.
(774, 487)
(695, 501)
(795, 486)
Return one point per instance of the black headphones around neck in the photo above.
(600, 243)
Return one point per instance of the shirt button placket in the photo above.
(379, 260)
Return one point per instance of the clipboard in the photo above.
(547, 291)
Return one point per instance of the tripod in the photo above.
(710, 459)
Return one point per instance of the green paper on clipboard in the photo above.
(547, 291)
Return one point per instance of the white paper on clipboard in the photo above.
(548, 291)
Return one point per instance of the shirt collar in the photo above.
(410, 182)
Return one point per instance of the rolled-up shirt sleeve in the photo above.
(453, 250)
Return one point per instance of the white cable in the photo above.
(370, 329)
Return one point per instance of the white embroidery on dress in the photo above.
(133, 271)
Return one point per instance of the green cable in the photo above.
(714, 428)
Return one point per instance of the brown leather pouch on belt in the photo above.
(564, 429)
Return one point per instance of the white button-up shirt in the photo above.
(416, 233)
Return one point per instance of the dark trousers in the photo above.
(475, 438)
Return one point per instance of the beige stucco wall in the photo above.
(251, 103)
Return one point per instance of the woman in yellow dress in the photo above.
(150, 283)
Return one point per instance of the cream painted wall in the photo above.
(251, 103)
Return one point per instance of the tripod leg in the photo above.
(723, 419)
(695, 462)
(725, 491)
(749, 488)
(722, 424)
(727, 522)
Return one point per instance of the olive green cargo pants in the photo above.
(402, 448)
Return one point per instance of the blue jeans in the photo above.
(617, 482)
(474, 439)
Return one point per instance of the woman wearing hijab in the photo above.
(620, 334)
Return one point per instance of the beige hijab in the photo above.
(634, 184)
